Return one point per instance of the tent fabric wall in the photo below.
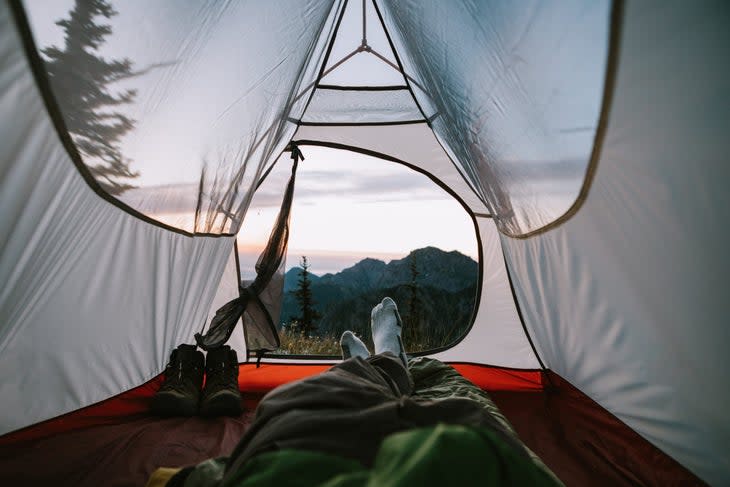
(93, 299)
(497, 336)
(516, 90)
(215, 84)
(583, 443)
(228, 289)
(624, 299)
(628, 299)
(359, 106)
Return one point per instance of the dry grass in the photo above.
(294, 342)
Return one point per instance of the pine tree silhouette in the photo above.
(81, 81)
(414, 305)
(308, 315)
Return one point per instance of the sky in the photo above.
(348, 206)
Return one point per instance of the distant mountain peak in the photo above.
(451, 271)
(367, 263)
(436, 251)
(363, 276)
(291, 278)
(445, 282)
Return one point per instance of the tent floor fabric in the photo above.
(118, 443)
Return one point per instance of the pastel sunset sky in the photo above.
(349, 206)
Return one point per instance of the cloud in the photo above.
(395, 184)
(358, 186)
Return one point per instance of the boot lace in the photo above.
(174, 377)
(221, 376)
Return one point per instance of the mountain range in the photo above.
(436, 306)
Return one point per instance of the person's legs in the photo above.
(386, 328)
(346, 410)
(357, 399)
(384, 370)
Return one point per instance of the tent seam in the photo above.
(322, 68)
(423, 113)
(521, 317)
(363, 88)
(360, 124)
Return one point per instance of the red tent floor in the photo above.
(118, 443)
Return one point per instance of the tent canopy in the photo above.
(586, 140)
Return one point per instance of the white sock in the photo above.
(386, 327)
(352, 346)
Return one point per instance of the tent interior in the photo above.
(582, 141)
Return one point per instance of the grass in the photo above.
(295, 342)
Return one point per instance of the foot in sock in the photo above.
(352, 346)
(386, 328)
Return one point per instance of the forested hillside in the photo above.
(435, 292)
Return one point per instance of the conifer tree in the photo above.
(81, 81)
(414, 306)
(308, 315)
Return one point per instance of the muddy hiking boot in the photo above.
(221, 396)
(180, 392)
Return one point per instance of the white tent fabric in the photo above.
(510, 82)
(362, 68)
(497, 337)
(84, 282)
(625, 298)
(330, 105)
(228, 289)
(195, 120)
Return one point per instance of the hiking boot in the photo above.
(180, 392)
(221, 396)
